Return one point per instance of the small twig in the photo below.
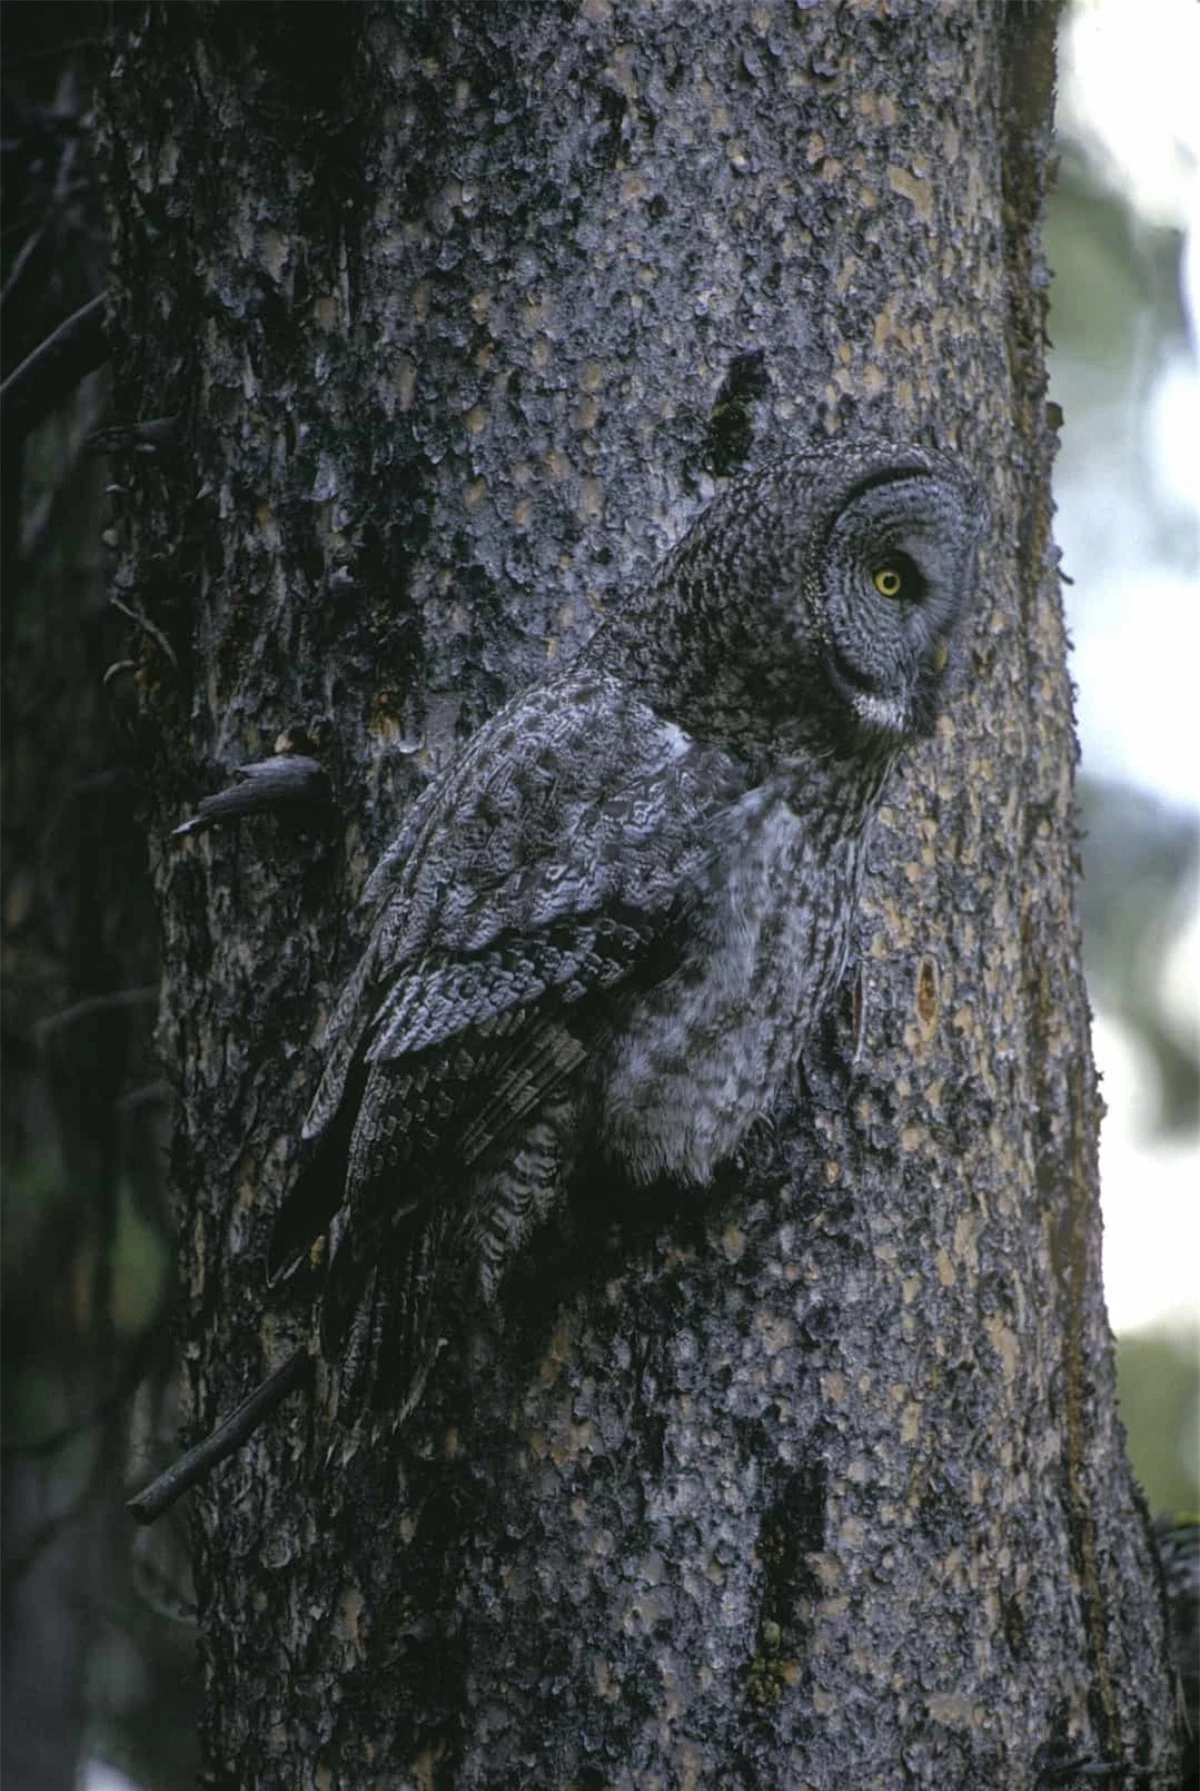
(142, 995)
(287, 780)
(21, 262)
(152, 629)
(204, 1456)
(150, 437)
(54, 368)
(148, 1094)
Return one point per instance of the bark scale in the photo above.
(818, 1481)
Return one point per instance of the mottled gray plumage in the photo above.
(610, 925)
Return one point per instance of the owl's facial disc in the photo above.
(898, 570)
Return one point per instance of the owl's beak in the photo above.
(939, 656)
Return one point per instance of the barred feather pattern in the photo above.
(610, 925)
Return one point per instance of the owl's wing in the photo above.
(431, 1118)
(551, 864)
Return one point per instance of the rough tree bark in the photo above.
(464, 311)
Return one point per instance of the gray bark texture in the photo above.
(816, 1481)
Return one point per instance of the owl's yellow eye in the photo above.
(888, 582)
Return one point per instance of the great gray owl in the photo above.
(609, 926)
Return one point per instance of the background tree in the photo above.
(86, 1224)
(461, 317)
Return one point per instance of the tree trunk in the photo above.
(817, 1481)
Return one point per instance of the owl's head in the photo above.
(888, 582)
(835, 620)
(815, 607)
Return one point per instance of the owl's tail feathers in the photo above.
(311, 1202)
(379, 1308)
(319, 1188)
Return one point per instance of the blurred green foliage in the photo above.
(1158, 1374)
(1119, 326)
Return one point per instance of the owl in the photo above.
(606, 931)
